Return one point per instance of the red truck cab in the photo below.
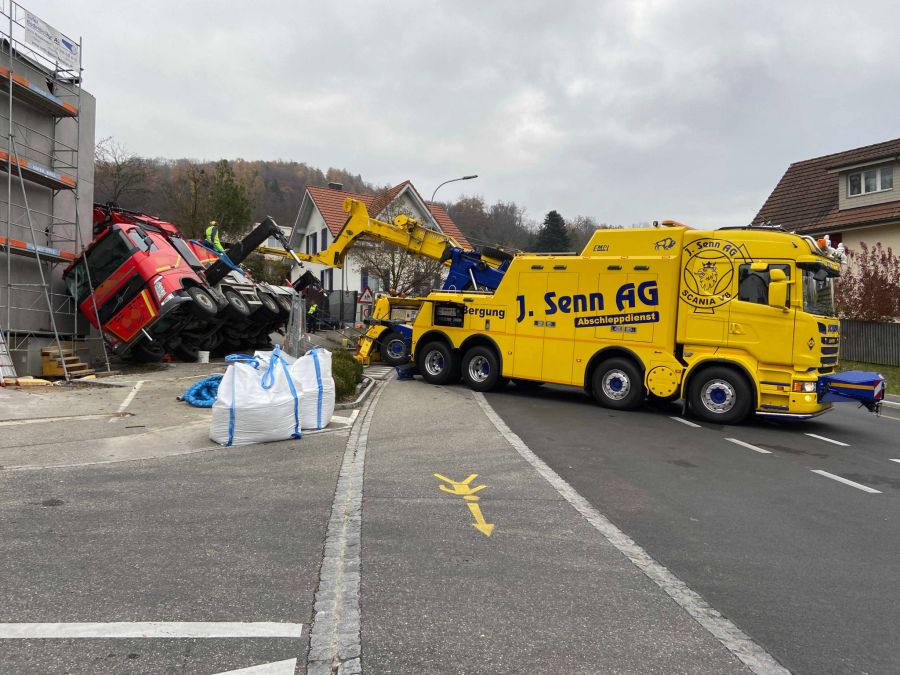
(147, 283)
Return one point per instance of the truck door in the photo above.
(528, 354)
(767, 333)
(559, 330)
(608, 283)
(639, 332)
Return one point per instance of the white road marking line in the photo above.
(755, 448)
(286, 667)
(858, 486)
(684, 421)
(735, 640)
(65, 418)
(896, 460)
(150, 629)
(334, 636)
(829, 440)
(128, 399)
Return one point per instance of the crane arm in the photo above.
(407, 233)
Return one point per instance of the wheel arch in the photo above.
(737, 366)
(433, 336)
(482, 341)
(608, 353)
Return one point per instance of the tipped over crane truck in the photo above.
(734, 321)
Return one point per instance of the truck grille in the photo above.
(830, 349)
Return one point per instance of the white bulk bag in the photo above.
(257, 402)
(312, 374)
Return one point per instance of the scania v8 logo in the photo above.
(709, 272)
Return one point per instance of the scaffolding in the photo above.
(41, 228)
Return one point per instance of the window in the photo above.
(312, 242)
(103, 258)
(326, 278)
(754, 286)
(323, 235)
(363, 279)
(870, 180)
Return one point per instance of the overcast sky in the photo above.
(624, 111)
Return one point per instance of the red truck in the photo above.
(152, 295)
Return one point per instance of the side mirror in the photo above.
(778, 293)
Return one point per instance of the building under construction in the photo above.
(46, 194)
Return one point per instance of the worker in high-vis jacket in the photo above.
(212, 237)
(311, 318)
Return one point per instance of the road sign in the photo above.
(366, 297)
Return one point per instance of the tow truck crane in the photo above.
(390, 332)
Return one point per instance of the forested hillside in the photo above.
(237, 193)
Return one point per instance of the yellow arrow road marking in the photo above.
(467, 492)
(479, 524)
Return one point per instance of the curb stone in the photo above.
(367, 389)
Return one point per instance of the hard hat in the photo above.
(212, 222)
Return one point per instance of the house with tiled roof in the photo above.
(321, 218)
(848, 195)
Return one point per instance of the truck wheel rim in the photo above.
(396, 348)
(718, 396)
(434, 363)
(616, 385)
(205, 301)
(479, 369)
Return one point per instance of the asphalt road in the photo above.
(806, 565)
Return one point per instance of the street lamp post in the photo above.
(452, 180)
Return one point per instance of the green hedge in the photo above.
(347, 373)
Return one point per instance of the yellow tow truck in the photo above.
(734, 321)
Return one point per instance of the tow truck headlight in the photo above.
(805, 387)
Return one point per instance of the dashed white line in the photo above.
(150, 629)
(829, 440)
(733, 638)
(684, 421)
(130, 397)
(858, 486)
(749, 446)
(896, 460)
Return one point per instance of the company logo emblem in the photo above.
(811, 343)
(709, 273)
(664, 244)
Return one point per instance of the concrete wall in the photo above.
(888, 235)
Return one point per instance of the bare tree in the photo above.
(398, 270)
(582, 228)
(118, 174)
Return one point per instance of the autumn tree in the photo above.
(869, 287)
(582, 228)
(553, 236)
(228, 201)
(398, 270)
(119, 175)
(187, 198)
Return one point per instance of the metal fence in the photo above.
(870, 341)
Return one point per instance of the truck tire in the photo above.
(617, 384)
(481, 369)
(284, 304)
(147, 352)
(437, 363)
(269, 307)
(238, 307)
(720, 394)
(203, 305)
(495, 253)
(393, 348)
(186, 352)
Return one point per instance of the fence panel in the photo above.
(870, 341)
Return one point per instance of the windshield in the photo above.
(104, 259)
(818, 293)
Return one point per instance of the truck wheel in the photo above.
(481, 368)
(186, 352)
(720, 395)
(437, 363)
(269, 306)
(393, 348)
(238, 307)
(495, 253)
(147, 352)
(284, 304)
(617, 384)
(203, 305)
